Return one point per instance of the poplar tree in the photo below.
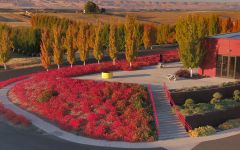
(139, 35)
(57, 49)
(82, 43)
(120, 37)
(130, 39)
(213, 24)
(236, 26)
(163, 33)
(45, 53)
(146, 36)
(91, 36)
(97, 51)
(6, 45)
(69, 45)
(226, 25)
(190, 32)
(229, 25)
(112, 42)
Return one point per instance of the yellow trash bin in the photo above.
(107, 75)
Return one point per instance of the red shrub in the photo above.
(183, 73)
(98, 109)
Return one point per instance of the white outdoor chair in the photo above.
(171, 77)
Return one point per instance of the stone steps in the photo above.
(170, 126)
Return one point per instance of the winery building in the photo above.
(222, 56)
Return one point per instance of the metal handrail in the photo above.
(154, 109)
(180, 116)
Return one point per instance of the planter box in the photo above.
(107, 75)
(204, 95)
(214, 118)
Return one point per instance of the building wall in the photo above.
(213, 46)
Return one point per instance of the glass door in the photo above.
(219, 65)
(231, 67)
(224, 66)
(237, 74)
(228, 66)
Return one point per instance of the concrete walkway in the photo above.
(170, 127)
(155, 75)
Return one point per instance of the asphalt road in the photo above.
(229, 143)
(18, 138)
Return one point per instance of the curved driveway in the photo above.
(12, 138)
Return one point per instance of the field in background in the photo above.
(17, 19)
(14, 19)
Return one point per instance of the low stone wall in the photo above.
(204, 95)
(214, 118)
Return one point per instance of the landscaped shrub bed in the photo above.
(102, 67)
(230, 124)
(203, 94)
(169, 56)
(217, 111)
(202, 131)
(113, 111)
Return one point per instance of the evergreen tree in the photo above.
(112, 42)
(57, 49)
(45, 54)
(130, 39)
(190, 32)
(97, 51)
(6, 45)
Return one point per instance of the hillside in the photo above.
(125, 4)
